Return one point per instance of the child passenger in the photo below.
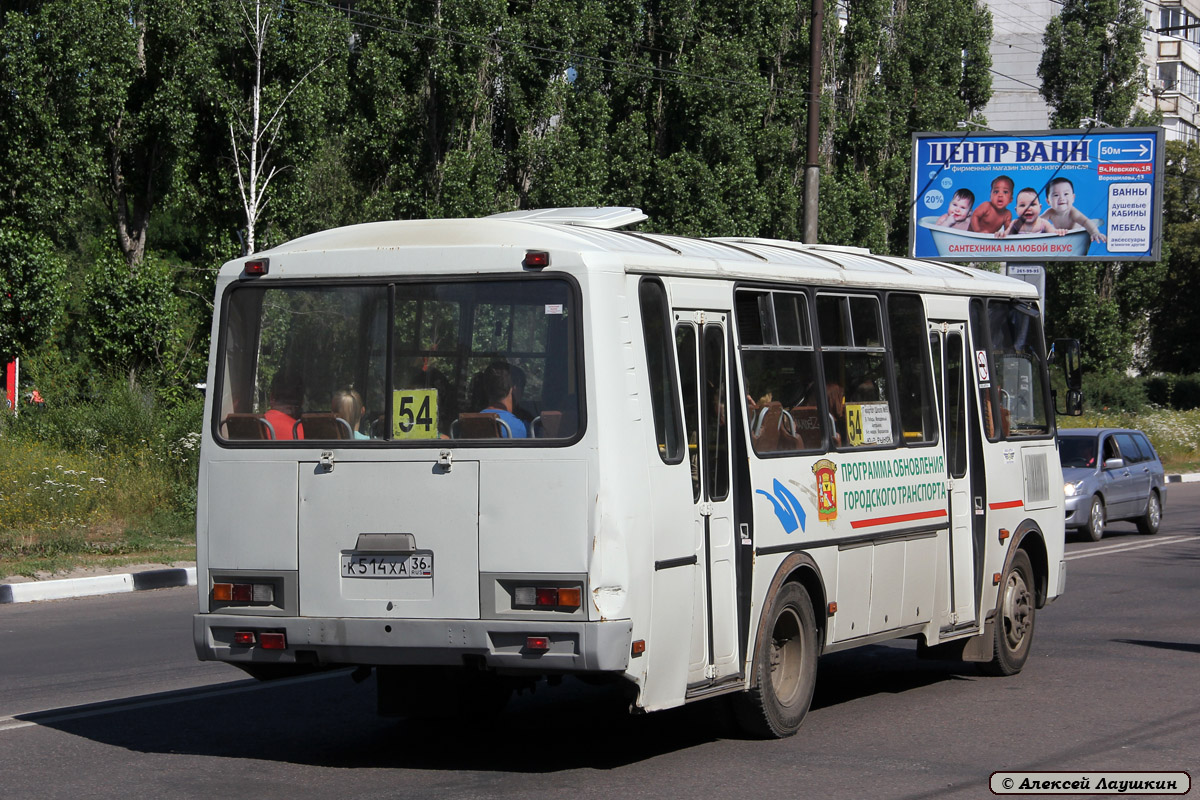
(959, 213)
(1060, 197)
(993, 216)
(348, 405)
(1028, 220)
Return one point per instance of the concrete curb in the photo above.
(1192, 478)
(96, 585)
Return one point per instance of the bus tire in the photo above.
(1015, 609)
(785, 668)
(1149, 522)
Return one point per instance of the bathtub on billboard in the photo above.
(955, 243)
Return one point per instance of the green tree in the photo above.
(281, 85)
(1091, 70)
(899, 68)
(149, 130)
(31, 288)
(130, 316)
(57, 78)
(1173, 320)
(1091, 63)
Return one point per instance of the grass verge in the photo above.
(60, 510)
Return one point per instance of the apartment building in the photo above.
(1171, 60)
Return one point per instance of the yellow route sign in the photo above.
(415, 414)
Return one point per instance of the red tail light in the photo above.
(258, 266)
(273, 641)
(536, 260)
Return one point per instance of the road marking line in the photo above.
(10, 724)
(1115, 547)
(1124, 548)
(51, 716)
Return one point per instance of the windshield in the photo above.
(1077, 451)
(1018, 364)
(407, 363)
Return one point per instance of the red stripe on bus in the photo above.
(868, 523)
(1007, 504)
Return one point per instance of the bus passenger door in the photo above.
(702, 346)
(948, 343)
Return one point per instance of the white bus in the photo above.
(472, 453)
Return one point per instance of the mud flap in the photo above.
(982, 647)
(975, 648)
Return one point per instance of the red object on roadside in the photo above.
(10, 383)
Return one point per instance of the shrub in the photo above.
(1181, 392)
(1113, 391)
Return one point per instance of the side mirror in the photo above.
(1114, 463)
(1074, 402)
(1066, 353)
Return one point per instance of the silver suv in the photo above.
(1108, 474)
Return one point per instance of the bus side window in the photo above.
(660, 368)
(778, 365)
(906, 322)
(854, 360)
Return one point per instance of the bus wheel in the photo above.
(1014, 619)
(785, 668)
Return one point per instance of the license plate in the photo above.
(417, 565)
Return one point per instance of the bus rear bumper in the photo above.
(502, 644)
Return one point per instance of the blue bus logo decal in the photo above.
(787, 507)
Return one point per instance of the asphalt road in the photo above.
(103, 697)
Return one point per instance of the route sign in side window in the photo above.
(855, 362)
(783, 409)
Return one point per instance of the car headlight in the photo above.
(1072, 488)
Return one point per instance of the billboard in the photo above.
(1093, 195)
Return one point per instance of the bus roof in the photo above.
(373, 248)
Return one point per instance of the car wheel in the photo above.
(1149, 522)
(1096, 520)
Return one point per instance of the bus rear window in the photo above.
(412, 362)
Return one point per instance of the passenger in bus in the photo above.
(837, 411)
(348, 405)
(519, 410)
(286, 400)
(498, 384)
(866, 392)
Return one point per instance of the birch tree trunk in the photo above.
(254, 134)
